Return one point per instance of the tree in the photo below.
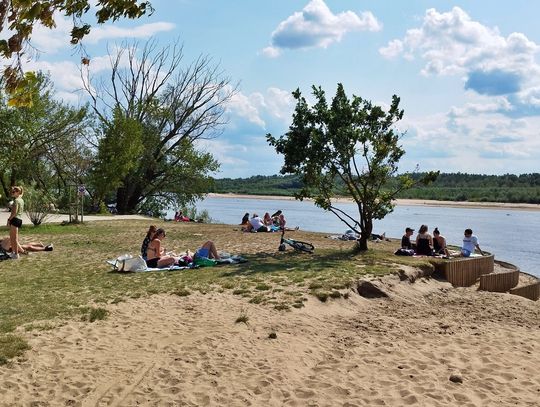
(34, 140)
(352, 141)
(168, 109)
(18, 18)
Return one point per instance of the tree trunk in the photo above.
(361, 244)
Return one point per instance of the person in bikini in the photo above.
(5, 243)
(155, 252)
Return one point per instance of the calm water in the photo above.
(512, 235)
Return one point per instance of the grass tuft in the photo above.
(11, 346)
(182, 292)
(242, 318)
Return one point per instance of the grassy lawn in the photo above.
(41, 289)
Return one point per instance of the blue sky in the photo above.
(467, 72)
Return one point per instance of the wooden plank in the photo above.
(464, 272)
(499, 282)
(531, 291)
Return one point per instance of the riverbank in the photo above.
(413, 202)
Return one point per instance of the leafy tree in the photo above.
(353, 141)
(18, 18)
(35, 139)
(167, 108)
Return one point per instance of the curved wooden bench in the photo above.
(465, 271)
(499, 282)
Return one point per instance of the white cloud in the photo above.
(317, 26)
(260, 108)
(51, 41)
(141, 31)
(452, 43)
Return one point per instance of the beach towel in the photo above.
(4, 255)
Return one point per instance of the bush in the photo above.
(37, 205)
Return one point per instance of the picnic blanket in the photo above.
(128, 263)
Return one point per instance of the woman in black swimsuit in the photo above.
(424, 242)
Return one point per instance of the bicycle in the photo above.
(297, 245)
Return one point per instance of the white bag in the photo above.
(127, 263)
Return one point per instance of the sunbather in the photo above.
(424, 242)
(5, 243)
(208, 250)
(439, 243)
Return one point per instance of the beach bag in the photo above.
(404, 252)
(127, 263)
(4, 255)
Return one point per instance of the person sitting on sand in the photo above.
(424, 242)
(5, 243)
(245, 219)
(156, 256)
(439, 243)
(149, 235)
(258, 224)
(275, 217)
(208, 251)
(283, 222)
(267, 220)
(470, 243)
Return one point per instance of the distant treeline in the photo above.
(524, 188)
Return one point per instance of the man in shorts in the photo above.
(470, 242)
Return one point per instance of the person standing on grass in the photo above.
(14, 221)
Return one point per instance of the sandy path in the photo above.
(188, 351)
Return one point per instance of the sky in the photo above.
(467, 72)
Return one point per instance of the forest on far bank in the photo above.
(524, 188)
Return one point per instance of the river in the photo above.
(511, 234)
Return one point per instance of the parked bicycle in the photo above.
(295, 244)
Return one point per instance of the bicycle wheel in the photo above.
(302, 246)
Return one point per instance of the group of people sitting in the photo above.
(268, 223)
(427, 245)
(154, 253)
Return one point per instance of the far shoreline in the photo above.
(402, 202)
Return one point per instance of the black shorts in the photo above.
(152, 263)
(16, 222)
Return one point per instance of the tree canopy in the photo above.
(152, 110)
(353, 141)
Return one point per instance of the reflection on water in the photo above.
(512, 235)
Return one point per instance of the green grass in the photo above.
(72, 281)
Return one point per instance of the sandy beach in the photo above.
(167, 350)
(417, 202)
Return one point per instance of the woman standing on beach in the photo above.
(15, 221)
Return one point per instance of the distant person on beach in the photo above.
(282, 222)
(267, 219)
(275, 216)
(14, 221)
(5, 243)
(149, 235)
(439, 243)
(245, 219)
(406, 239)
(470, 243)
(258, 224)
(156, 256)
(424, 242)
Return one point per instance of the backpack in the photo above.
(3, 254)
(127, 263)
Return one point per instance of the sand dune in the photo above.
(188, 351)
